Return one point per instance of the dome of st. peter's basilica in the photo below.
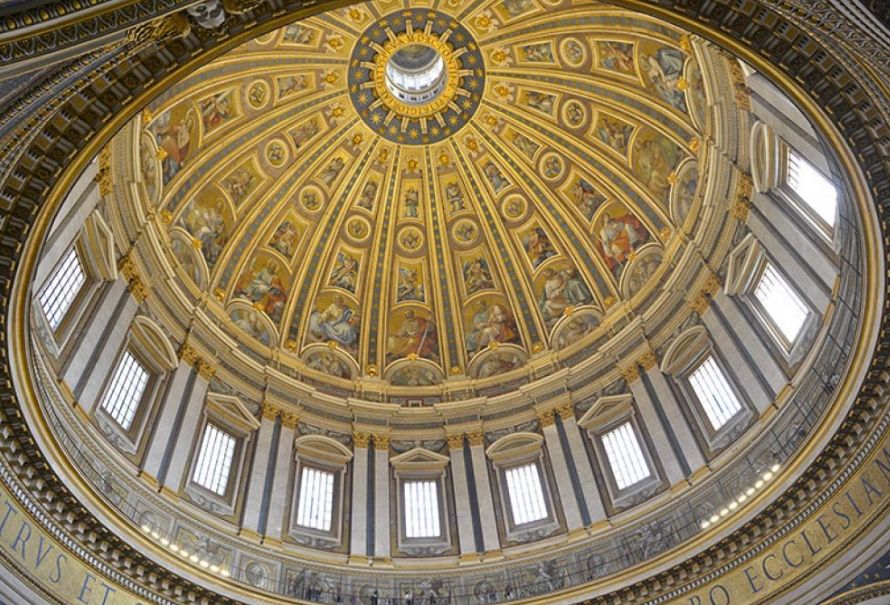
(444, 302)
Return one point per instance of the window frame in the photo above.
(519, 449)
(747, 264)
(79, 309)
(800, 205)
(227, 479)
(325, 454)
(605, 415)
(684, 355)
(128, 440)
(419, 464)
(716, 439)
(788, 348)
(227, 414)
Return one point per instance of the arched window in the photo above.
(424, 526)
(528, 509)
(716, 406)
(215, 455)
(134, 385)
(622, 452)
(126, 390)
(318, 504)
(774, 300)
(217, 464)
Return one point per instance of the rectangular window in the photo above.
(62, 288)
(421, 509)
(625, 456)
(716, 396)
(784, 307)
(812, 187)
(316, 503)
(125, 391)
(214, 460)
(526, 494)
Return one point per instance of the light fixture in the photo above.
(742, 497)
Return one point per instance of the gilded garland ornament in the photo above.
(456, 76)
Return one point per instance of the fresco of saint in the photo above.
(328, 363)
(286, 238)
(537, 246)
(540, 101)
(538, 53)
(477, 275)
(499, 363)
(414, 335)
(455, 197)
(264, 285)
(587, 198)
(495, 177)
(344, 274)
(176, 135)
(561, 289)
(297, 33)
(663, 70)
(206, 221)
(616, 56)
(304, 133)
(576, 327)
(337, 322)
(411, 203)
(525, 144)
(291, 85)
(515, 8)
(239, 184)
(614, 133)
(491, 322)
(216, 110)
(618, 238)
(368, 195)
(330, 173)
(248, 321)
(653, 161)
(409, 285)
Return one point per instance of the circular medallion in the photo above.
(416, 76)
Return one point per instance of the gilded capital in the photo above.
(381, 441)
(566, 410)
(206, 370)
(289, 420)
(630, 373)
(476, 438)
(103, 174)
(361, 439)
(188, 354)
(545, 418)
(648, 360)
(270, 411)
(455, 441)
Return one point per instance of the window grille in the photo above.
(214, 460)
(125, 391)
(526, 494)
(781, 303)
(714, 393)
(625, 456)
(812, 187)
(62, 288)
(421, 509)
(316, 503)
